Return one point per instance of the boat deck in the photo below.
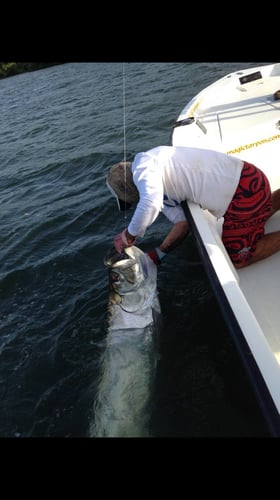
(262, 290)
(239, 119)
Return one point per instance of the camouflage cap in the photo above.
(120, 182)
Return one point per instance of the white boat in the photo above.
(239, 114)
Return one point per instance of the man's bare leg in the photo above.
(275, 201)
(270, 242)
(266, 246)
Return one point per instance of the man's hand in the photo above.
(123, 240)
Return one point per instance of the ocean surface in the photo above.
(61, 128)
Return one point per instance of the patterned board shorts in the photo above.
(247, 213)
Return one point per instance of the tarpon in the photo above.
(123, 402)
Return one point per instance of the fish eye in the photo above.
(130, 275)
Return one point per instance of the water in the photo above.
(60, 130)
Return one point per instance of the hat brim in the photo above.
(122, 205)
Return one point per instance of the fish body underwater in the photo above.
(124, 398)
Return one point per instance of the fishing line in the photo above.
(124, 112)
(124, 131)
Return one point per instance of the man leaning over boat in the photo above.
(159, 179)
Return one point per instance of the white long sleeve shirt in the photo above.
(167, 175)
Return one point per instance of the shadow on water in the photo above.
(201, 386)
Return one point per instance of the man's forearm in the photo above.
(177, 234)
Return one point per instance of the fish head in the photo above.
(126, 274)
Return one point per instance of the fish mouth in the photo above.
(114, 259)
(125, 271)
